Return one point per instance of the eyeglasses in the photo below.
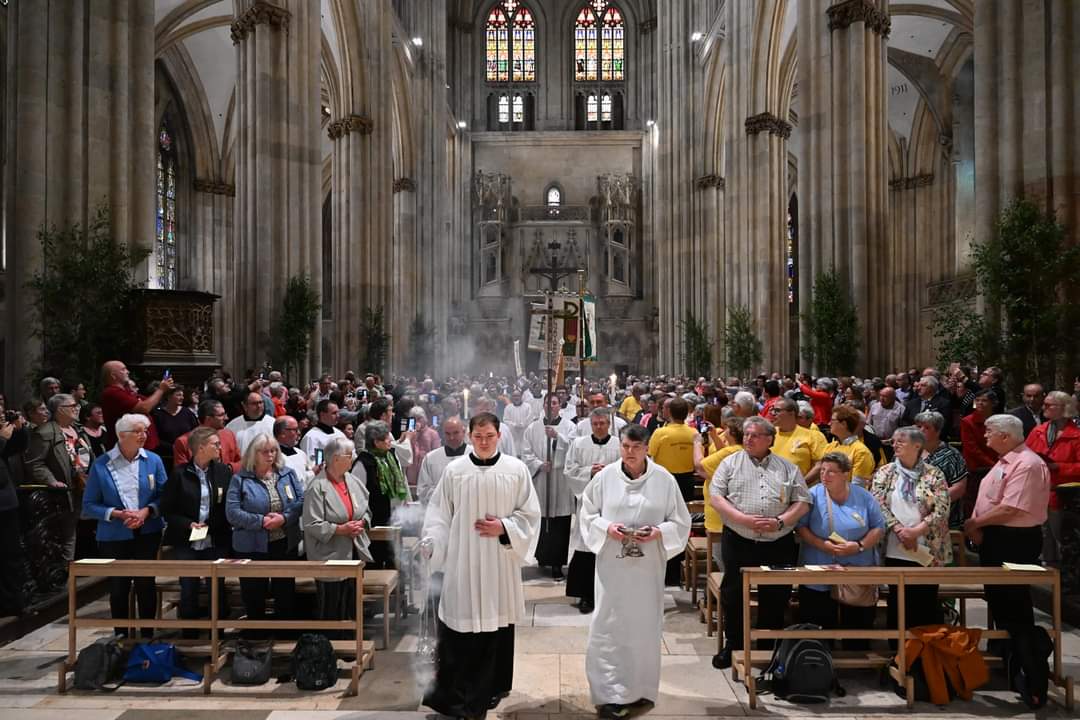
(133, 432)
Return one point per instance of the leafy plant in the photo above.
(962, 336)
(832, 326)
(82, 298)
(421, 346)
(742, 347)
(697, 348)
(299, 313)
(375, 339)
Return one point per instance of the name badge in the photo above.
(150, 480)
(289, 492)
(858, 518)
(219, 493)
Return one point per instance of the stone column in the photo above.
(211, 227)
(79, 131)
(843, 160)
(278, 174)
(755, 214)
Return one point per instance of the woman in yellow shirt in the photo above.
(706, 467)
(844, 425)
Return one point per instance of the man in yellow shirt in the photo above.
(631, 404)
(672, 446)
(794, 443)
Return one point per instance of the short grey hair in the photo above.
(762, 423)
(745, 399)
(912, 435)
(604, 412)
(253, 448)
(932, 418)
(417, 412)
(1007, 424)
(47, 381)
(806, 410)
(338, 446)
(931, 381)
(57, 400)
(1067, 401)
(374, 431)
(826, 383)
(131, 422)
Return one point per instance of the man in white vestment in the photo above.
(599, 400)
(544, 452)
(481, 526)
(436, 461)
(516, 417)
(587, 456)
(253, 421)
(324, 430)
(286, 432)
(634, 518)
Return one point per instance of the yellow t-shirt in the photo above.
(800, 446)
(629, 408)
(672, 447)
(862, 462)
(713, 521)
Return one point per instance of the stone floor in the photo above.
(549, 680)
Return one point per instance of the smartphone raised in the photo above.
(318, 456)
(412, 425)
(167, 375)
(434, 421)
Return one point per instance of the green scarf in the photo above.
(391, 481)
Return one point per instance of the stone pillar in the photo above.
(79, 131)
(843, 160)
(755, 214)
(211, 227)
(278, 174)
(363, 177)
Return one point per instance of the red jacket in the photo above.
(1065, 453)
(977, 455)
(821, 401)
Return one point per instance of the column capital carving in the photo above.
(404, 184)
(647, 26)
(349, 124)
(708, 181)
(767, 122)
(843, 14)
(260, 13)
(909, 183)
(213, 187)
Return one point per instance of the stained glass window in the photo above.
(599, 42)
(504, 108)
(510, 43)
(605, 108)
(592, 114)
(554, 196)
(165, 237)
(519, 109)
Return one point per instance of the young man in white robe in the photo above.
(546, 443)
(587, 456)
(634, 518)
(481, 526)
(516, 417)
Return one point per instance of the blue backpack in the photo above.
(155, 663)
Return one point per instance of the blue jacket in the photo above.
(248, 501)
(101, 494)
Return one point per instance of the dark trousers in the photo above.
(1010, 604)
(141, 547)
(688, 484)
(739, 552)
(472, 669)
(12, 572)
(921, 606)
(819, 607)
(253, 591)
(190, 587)
(554, 544)
(581, 576)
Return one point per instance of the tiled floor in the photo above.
(549, 680)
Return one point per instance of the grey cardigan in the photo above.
(324, 511)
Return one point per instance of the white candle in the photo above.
(612, 384)
(465, 410)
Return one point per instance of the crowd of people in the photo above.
(585, 478)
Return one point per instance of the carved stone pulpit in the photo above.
(175, 330)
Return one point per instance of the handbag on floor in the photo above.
(155, 663)
(251, 662)
(99, 664)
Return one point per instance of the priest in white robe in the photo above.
(253, 421)
(635, 494)
(436, 461)
(481, 526)
(546, 443)
(516, 418)
(587, 456)
(599, 400)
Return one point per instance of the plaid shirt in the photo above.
(767, 487)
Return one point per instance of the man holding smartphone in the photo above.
(325, 429)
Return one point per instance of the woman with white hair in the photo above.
(123, 493)
(335, 522)
(263, 505)
(1057, 442)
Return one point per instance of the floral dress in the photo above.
(932, 495)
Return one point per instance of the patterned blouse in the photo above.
(276, 506)
(932, 493)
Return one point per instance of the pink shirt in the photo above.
(1020, 480)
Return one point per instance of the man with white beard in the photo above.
(544, 452)
(634, 518)
(436, 461)
(587, 456)
(516, 417)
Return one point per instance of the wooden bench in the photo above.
(693, 563)
(362, 651)
(744, 661)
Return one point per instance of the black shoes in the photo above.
(722, 660)
(496, 699)
(557, 573)
(611, 711)
(585, 607)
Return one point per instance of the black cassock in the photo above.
(473, 671)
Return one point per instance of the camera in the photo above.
(10, 416)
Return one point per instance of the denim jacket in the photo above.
(248, 501)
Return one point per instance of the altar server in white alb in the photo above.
(436, 461)
(622, 661)
(587, 456)
(516, 417)
(546, 443)
(481, 526)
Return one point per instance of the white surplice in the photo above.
(622, 661)
(245, 430)
(482, 589)
(515, 419)
(431, 471)
(583, 454)
(556, 499)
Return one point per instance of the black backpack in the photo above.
(801, 669)
(100, 663)
(1026, 663)
(314, 666)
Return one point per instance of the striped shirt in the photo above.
(951, 463)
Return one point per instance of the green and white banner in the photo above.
(588, 329)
